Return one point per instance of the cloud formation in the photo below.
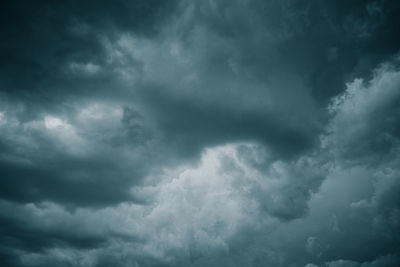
(209, 133)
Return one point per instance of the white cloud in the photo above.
(366, 118)
(53, 122)
(200, 211)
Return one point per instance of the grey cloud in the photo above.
(79, 161)
(193, 216)
(388, 260)
(43, 36)
(366, 116)
(210, 133)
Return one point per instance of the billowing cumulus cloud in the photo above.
(207, 133)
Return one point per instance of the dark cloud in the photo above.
(41, 37)
(209, 133)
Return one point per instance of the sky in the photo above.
(200, 133)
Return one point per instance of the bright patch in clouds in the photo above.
(53, 122)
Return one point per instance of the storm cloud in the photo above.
(200, 133)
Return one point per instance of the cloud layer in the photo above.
(209, 133)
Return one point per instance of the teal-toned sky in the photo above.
(200, 133)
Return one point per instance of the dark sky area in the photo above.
(200, 133)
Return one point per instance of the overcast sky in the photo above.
(200, 133)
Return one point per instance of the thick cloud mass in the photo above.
(200, 133)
